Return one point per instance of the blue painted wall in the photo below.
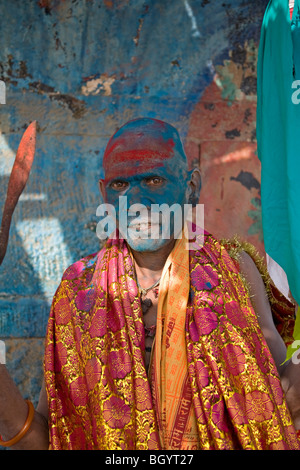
(81, 69)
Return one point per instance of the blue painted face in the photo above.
(150, 188)
(153, 176)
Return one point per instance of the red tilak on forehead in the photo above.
(140, 146)
(136, 152)
(131, 162)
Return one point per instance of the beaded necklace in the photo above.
(146, 303)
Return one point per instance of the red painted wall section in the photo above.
(221, 141)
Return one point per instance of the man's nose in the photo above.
(137, 195)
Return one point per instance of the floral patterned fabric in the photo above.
(100, 396)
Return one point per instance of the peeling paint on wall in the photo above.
(96, 85)
(223, 125)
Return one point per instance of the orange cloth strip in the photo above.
(178, 428)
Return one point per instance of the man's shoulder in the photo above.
(81, 267)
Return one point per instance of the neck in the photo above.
(149, 265)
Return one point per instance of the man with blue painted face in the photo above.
(157, 343)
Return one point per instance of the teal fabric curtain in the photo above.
(278, 138)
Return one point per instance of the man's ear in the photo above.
(195, 186)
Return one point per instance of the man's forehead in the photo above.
(142, 145)
(131, 170)
(137, 163)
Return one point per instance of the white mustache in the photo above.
(155, 219)
(139, 225)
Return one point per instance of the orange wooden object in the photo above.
(17, 182)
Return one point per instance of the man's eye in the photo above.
(155, 181)
(119, 185)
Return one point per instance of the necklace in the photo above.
(146, 304)
(144, 291)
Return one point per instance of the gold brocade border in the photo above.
(235, 246)
(283, 310)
